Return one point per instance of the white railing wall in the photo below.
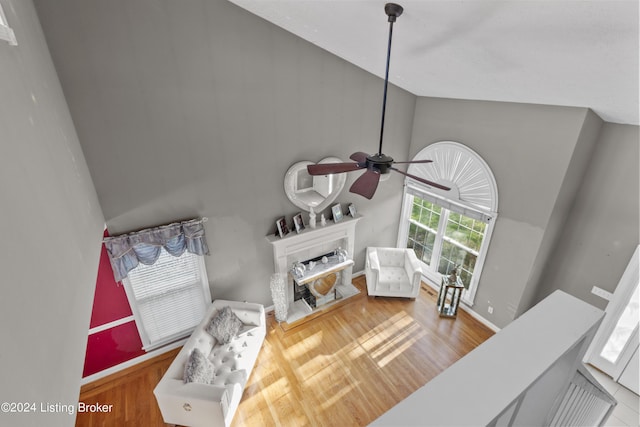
(586, 402)
(525, 375)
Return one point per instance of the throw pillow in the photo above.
(225, 325)
(198, 369)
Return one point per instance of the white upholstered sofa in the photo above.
(392, 272)
(196, 404)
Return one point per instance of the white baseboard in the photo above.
(131, 362)
(464, 306)
(479, 318)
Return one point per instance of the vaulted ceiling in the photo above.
(570, 53)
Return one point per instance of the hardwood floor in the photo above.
(345, 368)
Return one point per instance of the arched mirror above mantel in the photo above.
(317, 192)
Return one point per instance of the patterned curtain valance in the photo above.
(127, 250)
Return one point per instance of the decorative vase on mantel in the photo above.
(279, 296)
(312, 218)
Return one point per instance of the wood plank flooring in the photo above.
(345, 368)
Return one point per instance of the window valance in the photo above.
(128, 250)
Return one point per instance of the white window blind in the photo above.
(168, 298)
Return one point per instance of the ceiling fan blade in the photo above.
(359, 157)
(422, 180)
(366, 184)
(415, 161)
(329, 168)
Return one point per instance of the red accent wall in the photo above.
(117, 344)
(111, 347)
(110, 300)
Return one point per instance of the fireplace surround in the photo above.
(311, 245)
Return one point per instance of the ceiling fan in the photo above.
(376, 164)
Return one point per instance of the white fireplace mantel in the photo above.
(311, 243)
(313, 238)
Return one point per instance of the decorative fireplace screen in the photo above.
(315, 280)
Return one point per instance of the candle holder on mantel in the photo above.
(448, 304)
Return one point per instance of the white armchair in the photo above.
(392, 272)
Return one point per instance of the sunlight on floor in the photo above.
(385, 330)
(397, 334)
(332, 400)
(350, 367)
(304, 346)
(356, 352)
(279, 388)
(399, 344)
(316, 370)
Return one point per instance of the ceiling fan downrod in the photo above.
(393, 11)
(376, 165)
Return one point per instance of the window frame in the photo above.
(430, 272)
(473, 193)
(147, 344)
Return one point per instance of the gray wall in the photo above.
(603, 228)
(574, 175)
(51, 227)
(198, 108)
(535, 152)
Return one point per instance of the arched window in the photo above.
(449, 229)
